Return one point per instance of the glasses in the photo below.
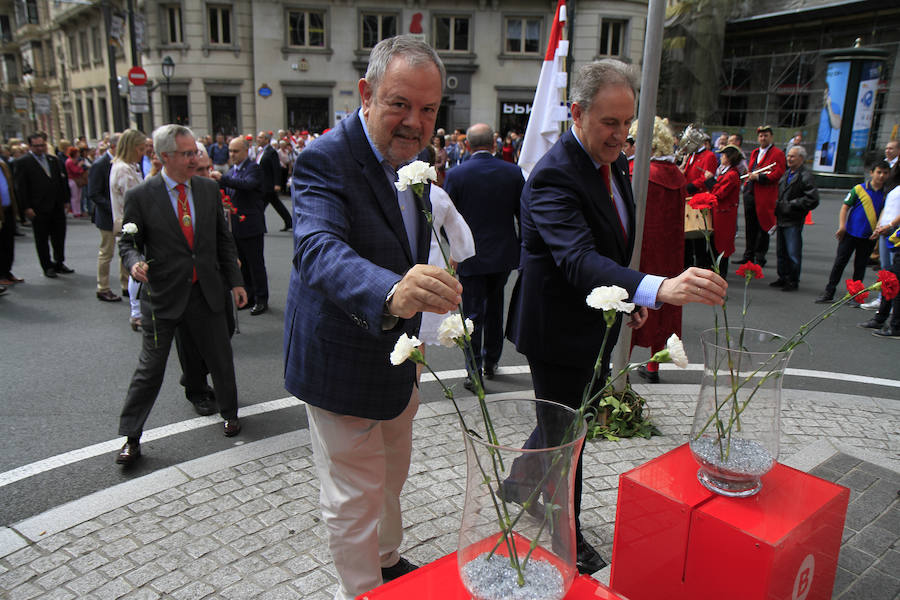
(187, 153)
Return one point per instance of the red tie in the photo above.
(184, 219)
(604, 174)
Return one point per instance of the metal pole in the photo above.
(114, 98)
(135, 57)
(639, 180)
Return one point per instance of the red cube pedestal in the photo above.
(676, 540)
(439, 580)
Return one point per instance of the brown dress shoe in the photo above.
(108, 296)
(129, 453)
(232, 427)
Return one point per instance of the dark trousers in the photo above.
(7, 242)
(50, 227)
(789, 250)
(273, 199)
(846, 247)
(757, 239)
(891, 307)
(483, 303)
(193, 369)
(563, 384)
(210, 333)
(253, 267)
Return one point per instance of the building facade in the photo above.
(237, 66)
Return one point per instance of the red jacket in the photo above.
(696, 164)
(765, 191)
(727, 191)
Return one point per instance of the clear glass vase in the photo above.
(736, 432)
(517, 536)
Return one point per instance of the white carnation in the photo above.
(451, 330)
(129, 228)
(609, 297)
(676, 351)
(415, 172)
(404, 348)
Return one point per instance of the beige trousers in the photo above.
(104, 257)
(362, 465)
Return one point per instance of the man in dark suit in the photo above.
(577, 220)
(9, 212)
(491, 211)
(244, 183)
(181, 252)
(797, 195)
(98, 193)
(357, 284)
(267, 159)
(43, 193)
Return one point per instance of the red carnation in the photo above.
(242, 218)
(703, 200)
(856, 289)
(889, 284)
(750, 270)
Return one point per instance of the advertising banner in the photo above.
(862, 120)
(830, 120)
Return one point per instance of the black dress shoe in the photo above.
(778, 283)
(205, 407)
(469, 384)
(589, 560)
(887, 332)
(129, 453)
(789, 286)
(259, 308)
(825, 298)
(400, 569)
(490, 370)
(648, 375)
(62, 268)
(871, 324)
(232, 427)
(51, 273)
(740, 261)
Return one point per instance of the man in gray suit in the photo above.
(181, 251)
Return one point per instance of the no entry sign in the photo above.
(137, 76)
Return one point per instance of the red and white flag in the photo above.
(548, 109)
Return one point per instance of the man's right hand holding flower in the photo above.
(425, 288)
(139, 271)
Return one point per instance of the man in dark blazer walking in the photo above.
(486, 192)
(98, 193)
(43, 194)
(357, 284)
(244, 184)
(176, 244)
(577, 234)
(797, 195)
(270, 167)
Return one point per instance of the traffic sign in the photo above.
(137, 75)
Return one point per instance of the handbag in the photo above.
(694, 225)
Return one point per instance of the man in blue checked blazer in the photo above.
(358, 282)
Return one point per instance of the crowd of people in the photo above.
(187, 217)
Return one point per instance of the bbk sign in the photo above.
(514, 108)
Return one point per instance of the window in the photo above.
(5, 29)
(451, 34)
(80, 114)
(219, 25)
(92, 123)
(178, 109)
(104, 118)
(97, 40)
(377, 27)
(73, 52)
(83, 48)
(173, 32)
(612, 37)
(523, 36)
(11, 68)
(306, 28)
(31, 12)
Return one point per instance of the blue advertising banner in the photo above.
(830, 120)
(862, 119)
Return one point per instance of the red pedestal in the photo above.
(439, 580)
(676, 540)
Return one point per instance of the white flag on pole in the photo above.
(548, 109)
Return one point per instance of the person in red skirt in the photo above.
(664, 221)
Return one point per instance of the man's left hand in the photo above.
(638, 317)
(240, 296)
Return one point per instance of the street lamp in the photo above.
(168, 69)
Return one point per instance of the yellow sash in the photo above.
(867, 205)
(895, 238)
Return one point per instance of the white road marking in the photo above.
(73, 456)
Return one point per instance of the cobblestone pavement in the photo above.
(245, 523)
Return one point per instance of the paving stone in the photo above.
(58, 594)
(171, 582)
(194, 591)
(15, 577)
(87, 582)
(857, 480)
(114, 589)
(142, 594)
(854, 560)
(873, 585)
(56, 577)
(25, 591)
(874, 540)
(23, 556)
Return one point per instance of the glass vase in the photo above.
(737, 423)
(517, 536)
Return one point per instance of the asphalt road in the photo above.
(67, 360)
